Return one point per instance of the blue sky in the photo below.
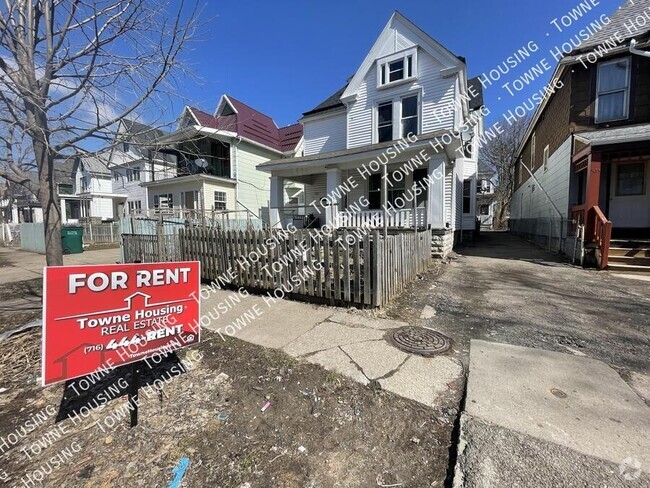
(283, 58)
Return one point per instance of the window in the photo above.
(533, 149)
(547, 150)
(485, 210)
(135, 206)
(220, 200)
(395, 189)
(385, 122)
(125, 147)
(630, 179)
(410, 116)
(374, 192)
(613, 90)
(467, 196)
(85, 183)
(419, 178)
(165, 200)
(397, 68)
(133, 174)
(65, 189)
(116, 175)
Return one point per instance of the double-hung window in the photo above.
(467, 196)
(385, 122)
(613, 91)
(220, 200)
(410, 116)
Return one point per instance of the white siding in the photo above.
(316, 190)
(529, 201)
(436, 91)
(133, 190)
(254, 187)
(325, 134)
(210, 187)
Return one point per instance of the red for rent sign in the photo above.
(100, 317)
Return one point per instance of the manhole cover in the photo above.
(418, 340)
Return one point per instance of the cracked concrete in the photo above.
(346, 342)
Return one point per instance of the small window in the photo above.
(467, 196)
(220, 200)
(485, 210)
(630, 179)
(410, 116)
(134, 206)
(547, 150)
(397, 68)
(385, 122)
(613, 91)
(116, 175)
(136, 174)
(165, 200)
(396, 71)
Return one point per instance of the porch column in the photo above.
(333, 192)
(276, 201)
(64, 214)
(592, 194)
(14, 214)
(436, 193)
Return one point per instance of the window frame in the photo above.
(643, 181)
(467, 185)
(169, 200)
(391, 104)
(224, 201)
(626, 104)
(416, 116)
(409, 59)
(545, 157)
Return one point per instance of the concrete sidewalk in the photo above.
(18, 265)
(542, 418)
(347, 342)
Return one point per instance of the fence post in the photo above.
(161, 240)
(111, 226)
(90, 230)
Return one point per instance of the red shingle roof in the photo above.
(254, 125)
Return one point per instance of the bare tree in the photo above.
(501, 154)
(70, 70)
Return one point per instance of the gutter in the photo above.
(636, 51)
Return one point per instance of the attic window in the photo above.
(397, 68)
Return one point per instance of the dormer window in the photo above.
(397, 68)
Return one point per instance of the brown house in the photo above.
(585, 159)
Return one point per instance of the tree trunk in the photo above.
(48, 198)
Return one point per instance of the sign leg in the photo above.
(134, 386)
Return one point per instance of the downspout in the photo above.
(636, 51)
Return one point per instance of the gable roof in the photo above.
(449, 60)
(95, 164)
(615, 30)
(252, 124)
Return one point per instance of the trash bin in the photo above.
(72, 240)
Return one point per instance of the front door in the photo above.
(629, 204)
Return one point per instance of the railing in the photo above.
(602, 234)
(374, 219)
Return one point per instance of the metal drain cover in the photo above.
(418, 340)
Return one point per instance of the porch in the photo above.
(393, 186)
(609, 187)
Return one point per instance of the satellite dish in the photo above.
(201, 163)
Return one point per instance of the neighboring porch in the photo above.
(610, 191)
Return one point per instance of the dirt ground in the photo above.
(20, 303)
(503, 289)
(321, 430)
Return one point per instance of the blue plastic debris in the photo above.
(179, 472)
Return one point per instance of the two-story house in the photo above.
(93, 196)
(216, 156)
(133, 162)
(585, 159)
(392, 148)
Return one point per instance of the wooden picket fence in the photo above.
(357, 267)
(144, 248)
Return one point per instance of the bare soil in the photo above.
(20, 303)
(321, 430)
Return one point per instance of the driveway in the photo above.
(503, 289)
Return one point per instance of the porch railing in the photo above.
(402, 218)
(602, 234)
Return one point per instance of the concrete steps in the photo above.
(629, 256)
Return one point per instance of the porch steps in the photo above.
(629, 256)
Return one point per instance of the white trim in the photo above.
(224, 99)
(426, 42)
(403, 56)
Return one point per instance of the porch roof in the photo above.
(185, 178)
(361, 153)
(619, 135)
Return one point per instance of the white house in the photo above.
(486, 202)
(133, 162)
(216, 157)
(407, 119)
